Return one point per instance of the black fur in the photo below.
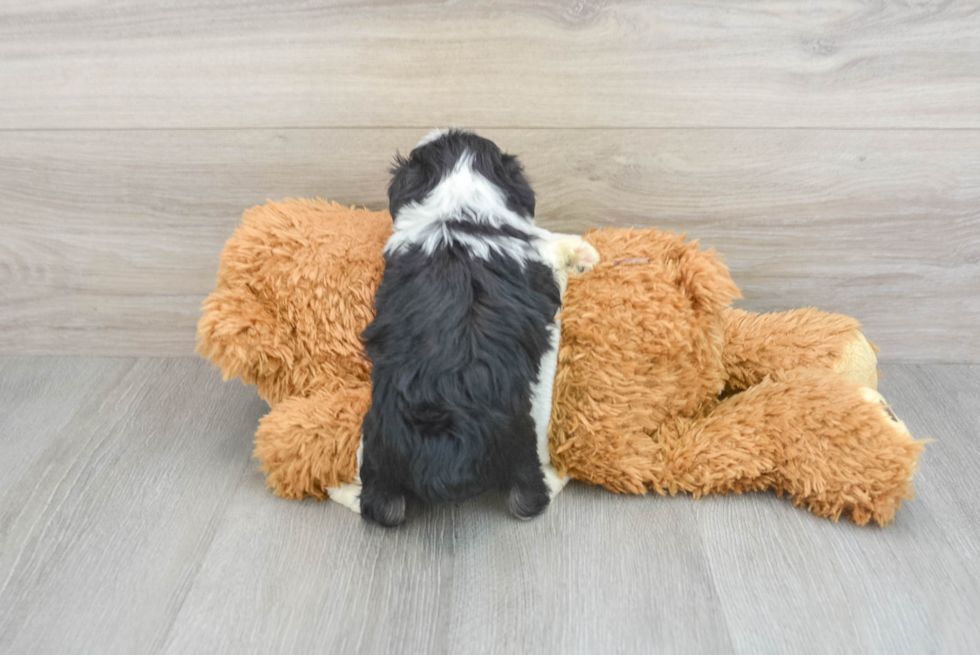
(455, 346)
(413, 177)
(484, 230)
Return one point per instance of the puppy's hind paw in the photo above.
(385, 510)
(526, 502)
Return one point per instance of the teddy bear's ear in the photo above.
(704, 279)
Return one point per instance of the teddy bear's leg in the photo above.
(308, 446)
(835, 447)
(757, 345)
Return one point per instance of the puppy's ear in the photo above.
(520, 196)
(410, 181)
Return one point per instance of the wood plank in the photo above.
(943, 403)
(793, 583)
(117, 476)
(302, 577)
(313, 577)
(597, 573)
(626, 63)
(40, 401)
(135, 522)
(111, 239)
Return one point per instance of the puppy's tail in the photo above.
(429, 419)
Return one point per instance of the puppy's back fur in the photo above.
(455, 349)
(465, 316)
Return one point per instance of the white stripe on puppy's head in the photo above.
(452, 178)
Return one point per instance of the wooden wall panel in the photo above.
(570, 63)
(111, 238)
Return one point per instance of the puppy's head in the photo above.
(437, 155)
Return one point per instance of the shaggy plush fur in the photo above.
(660, 384)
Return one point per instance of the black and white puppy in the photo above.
(464, 342)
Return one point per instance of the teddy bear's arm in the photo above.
(240, 336)
(760, 345)
(307, 446)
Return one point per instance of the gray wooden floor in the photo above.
(132, 520)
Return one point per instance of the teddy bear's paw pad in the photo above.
(858, 363)
(908, 447)
(876, 398)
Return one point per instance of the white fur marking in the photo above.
(541, 393)
(463, 192)
(562, 252)
(348, 494)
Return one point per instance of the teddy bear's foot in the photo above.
(858, 363)
(876, 472)
(832, 446)
(889, 475)
(900, 434)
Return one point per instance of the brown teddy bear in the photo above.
(660, 384)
